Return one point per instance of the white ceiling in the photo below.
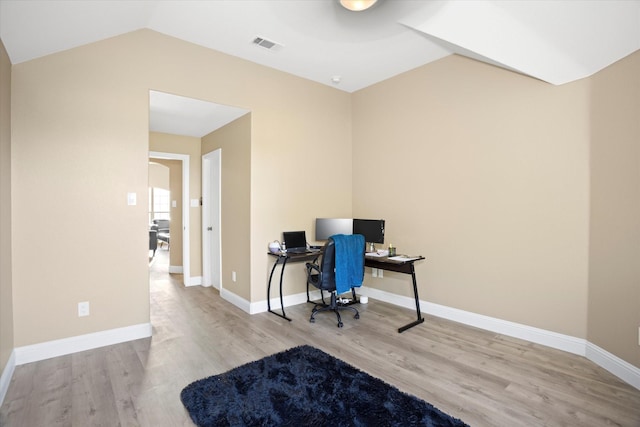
(187, 116)
(554, 41)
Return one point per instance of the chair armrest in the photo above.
(312, 267)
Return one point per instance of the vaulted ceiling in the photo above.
(555, 41)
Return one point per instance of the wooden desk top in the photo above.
(386, 263)
(296, 256)
(400, 259)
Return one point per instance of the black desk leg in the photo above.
(283, 315)
(269, 285)
(415, 293)
(269, 290)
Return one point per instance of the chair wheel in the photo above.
(340, 325)
(312, 320)
(357, 316)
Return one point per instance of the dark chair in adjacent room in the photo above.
(153, 241)
(340, 269)
(162, 227)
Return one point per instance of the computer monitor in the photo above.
(327, 227)
(371, 229)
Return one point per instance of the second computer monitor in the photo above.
(371, 229)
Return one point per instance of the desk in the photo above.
(283, 258)
(405, 267)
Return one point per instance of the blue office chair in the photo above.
(349, 259)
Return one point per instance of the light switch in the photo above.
(131, 199)
(195, 203)
(174, 204)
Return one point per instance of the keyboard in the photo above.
(302, 250)
(298, 250)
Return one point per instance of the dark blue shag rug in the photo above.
(304, 386)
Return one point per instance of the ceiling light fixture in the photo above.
(357, 5)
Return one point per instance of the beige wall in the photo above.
(6, 289)
(234, 142)
(158, 175)
(75, 156)
(484, 172)
(614, 274)
(175, 227)
(304, 127)
(81, 142)
(187, 145)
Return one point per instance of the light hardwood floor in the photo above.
(483, 378)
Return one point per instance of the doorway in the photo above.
(186, 117)
(186, 256)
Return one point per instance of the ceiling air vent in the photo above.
(267, 44)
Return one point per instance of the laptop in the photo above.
(296, 242)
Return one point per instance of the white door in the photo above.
(211, 184)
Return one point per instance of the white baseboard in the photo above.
(61, 347)
(579, 346)
(287, 301)
(528, 333)
(504, 327)
(176, 269)
(193, 281)
(236, 300)
(7, 374)
(618, 367)
(261, 306)
(602, 358)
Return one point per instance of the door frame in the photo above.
(211, 219)
(186, 245)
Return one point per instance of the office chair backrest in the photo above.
(349, 261)
(328, 266)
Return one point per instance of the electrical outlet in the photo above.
(83, 309)
(233, 276)
(380, 273)
(374, 272)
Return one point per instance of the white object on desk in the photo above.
(274, 247)
(403, 258)
(379, 253)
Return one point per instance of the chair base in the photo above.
(335, 307)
